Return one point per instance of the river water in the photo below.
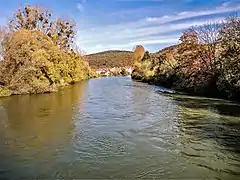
(115, 128)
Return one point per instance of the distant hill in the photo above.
(167, 50)
(109, 59)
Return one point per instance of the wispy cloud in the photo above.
(127, 39)
(128, 32)
(224, 8)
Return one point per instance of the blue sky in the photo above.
(122, 24)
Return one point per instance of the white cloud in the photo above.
(151, 19)
(224, 8)
(156, 41)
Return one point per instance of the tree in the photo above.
(198, 62)
(202, 42)
(138, 54)
(34, 64)
(208, 37)
(62, 32)
(3, 36)
(189, 37)
(230, 39)
(188, 54)
(229, 80)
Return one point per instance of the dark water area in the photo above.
(116, 128)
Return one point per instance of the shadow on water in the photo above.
(208, 118)
(222, 107)
(33, 129)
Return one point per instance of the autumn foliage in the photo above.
(110, 59)
(61, 32)
(138, 53)
(206, 62)
(37, 54)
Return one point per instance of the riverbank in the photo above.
(176, 90)
(178, 86)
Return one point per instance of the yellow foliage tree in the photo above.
(33, 63)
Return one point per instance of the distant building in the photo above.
(114, 70)
(99, 71)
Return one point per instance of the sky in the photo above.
(123, 24)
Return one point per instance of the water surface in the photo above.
(116, 128)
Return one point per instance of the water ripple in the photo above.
(114, 128)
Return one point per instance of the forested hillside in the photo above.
(109, 59)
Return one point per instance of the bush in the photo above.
(5, 92)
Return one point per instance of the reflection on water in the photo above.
(35, 129)
(210, 129)
(117, 128)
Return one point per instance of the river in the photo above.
(116, 128)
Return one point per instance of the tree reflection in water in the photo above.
(42, 124)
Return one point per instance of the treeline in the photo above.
(206, 62)
(38, 53)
